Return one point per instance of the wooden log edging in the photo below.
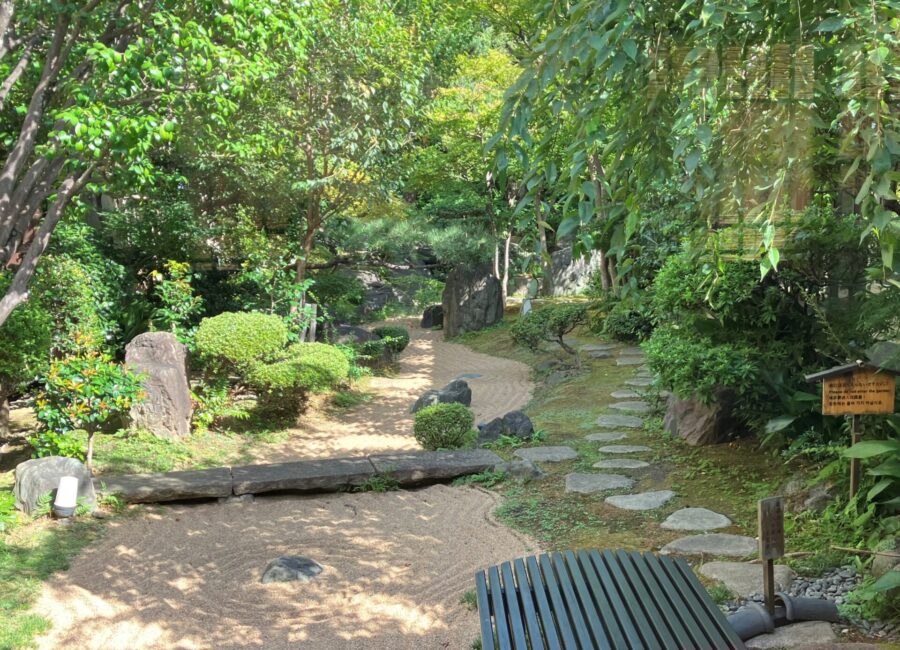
(319, 475)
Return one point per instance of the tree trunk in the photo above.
(90, 453)
(497, 261)
(604, 273)
(504, 279)
(546, 268)
(613, 277)
(5, 390)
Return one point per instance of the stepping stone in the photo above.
(712, 544)
(644, 371)
(744, 579)
(612, 436)
(641, 501)
(632, 407)
(597, 347)
(469, 375)
(617, 421)
(631, 351)
(625, 394)
(630, 361)
(547, 454)
(640, 381)
(590, 483)
(621, 463)
(624, 449)
(695, 519)
(599, 354)
(807, 634)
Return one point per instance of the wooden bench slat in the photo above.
(682, 638)
(560, 611)
(616, 629)
(589, 602)
(714, 616)
(628, 602)
(501, 625)
(540, 591)
(528, 608)
(484, 612)
(574, 606)
(516, 624)
(648, 601)
(674, 597)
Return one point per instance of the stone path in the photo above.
(620, 425)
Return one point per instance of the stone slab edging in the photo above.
(321, 475)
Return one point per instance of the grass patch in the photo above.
(347, 399)
(378, 483)
(720, 594)
(28, 556)
(470, 600)
(486, 479)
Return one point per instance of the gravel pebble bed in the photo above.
(834, 585)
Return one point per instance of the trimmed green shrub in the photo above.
(235, 340)
(444, 426)
(306, 367)
(341, 295)
(550, 323)
(396, 338)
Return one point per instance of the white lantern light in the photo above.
(66, 497)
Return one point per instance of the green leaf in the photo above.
(890, 580)
(833, 24)
(567, 227)
(691, 161)
(780, 423)
(630, 48)
(870, 448)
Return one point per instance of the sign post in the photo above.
(856, 389)
(771, 544)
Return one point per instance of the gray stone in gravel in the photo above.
(695, 519)
(590, 483)
(621, 463)
(744, 579)
(630, 361)
(640, 381)
(634, 406)
(625, 394)
(616, 421)
(624, 449)
(290, 568)
(547, 454)
(791, 636)
(712, 544)
(611, 436)
(641, 501)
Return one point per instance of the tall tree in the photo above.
(89, 87)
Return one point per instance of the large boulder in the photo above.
(472, 300)
(349, 334)
(514, 424)
(40, 476)
(570, 275)
(703, 424)
(433, 316)
(166, 411)
(457, 392)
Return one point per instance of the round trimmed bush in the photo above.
(307, 367)
(239, 339)
(396, 338)
(444, 426)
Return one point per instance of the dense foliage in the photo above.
(395, 338)
(549, 323)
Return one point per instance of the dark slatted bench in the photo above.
(598, 600)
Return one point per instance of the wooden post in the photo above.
(771, 544)
(855, 436)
